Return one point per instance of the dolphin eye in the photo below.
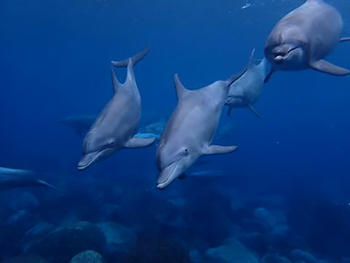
(186, 151)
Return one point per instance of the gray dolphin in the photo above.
(304, 37)
(16, 178)
(191, 129)
(115, 126)
(80, 123)
(248, 88)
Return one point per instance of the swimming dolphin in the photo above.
(115, 126)
(304, 37)
(191, 129)
(80, 123)
(248, 88)
(15, 178)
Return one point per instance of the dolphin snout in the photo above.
(86, 160)
(167, 175)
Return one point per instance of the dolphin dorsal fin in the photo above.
(251, 59)
(181, 91)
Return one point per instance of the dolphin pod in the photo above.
(115, 126)
(300, 40)
(304, 37)
(15, 178)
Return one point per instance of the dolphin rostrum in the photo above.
(248, 88)
(15, 178)
(115, 126)
(304, 37)
(191, 129)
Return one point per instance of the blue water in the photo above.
(293, 162)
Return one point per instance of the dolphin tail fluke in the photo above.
(327, 67)
(133, 60)
(46, 184)
(139, 142)
(218, 149)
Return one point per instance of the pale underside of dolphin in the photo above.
(248, 88)
(191, 128)
(304, 37)
(116, 125)
(16, 178)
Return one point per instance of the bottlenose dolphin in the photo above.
(304, 37)
(15, 178)
(80, 123)
(248, 88)
(115, 126)
(191, 129)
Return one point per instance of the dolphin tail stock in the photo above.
(46, 184)
(130, 63)
(344, 39)
(132, 60)
(218, 149)
(327, 67)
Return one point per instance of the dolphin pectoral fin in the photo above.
(267, 78)
(46, 184)
(344, 39)
(327, 67)
(250, 106)
(229, 111)
(139, 142)
(217, 149)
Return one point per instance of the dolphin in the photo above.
(191, 129)
(15, 178)
(80, 123)
(115, 126)
(248, 88)
(304, 37)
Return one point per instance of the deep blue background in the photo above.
(54, 62)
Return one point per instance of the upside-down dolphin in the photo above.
(191, 129)
(15, 178)
(248, 88)
(114, 128)
(304, 37)
(80, 123)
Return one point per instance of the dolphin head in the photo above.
(287, 55)
(172, 161)
(96, 146)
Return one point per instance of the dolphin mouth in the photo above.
(280, 57)
(88, 159)
(167, 175)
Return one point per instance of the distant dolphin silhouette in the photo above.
(80, 123)
(115, 126)
(191, 129)
(304, 37)
(15, 178)
(248, 88)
